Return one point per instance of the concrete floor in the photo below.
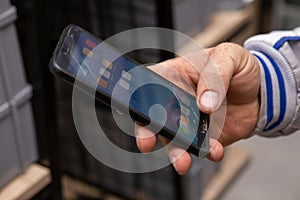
(273, 172)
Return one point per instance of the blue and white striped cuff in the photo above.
(279, 110)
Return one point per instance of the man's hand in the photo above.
(238, 89)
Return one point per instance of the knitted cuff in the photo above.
(280, 74)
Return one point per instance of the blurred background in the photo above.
(36, 123)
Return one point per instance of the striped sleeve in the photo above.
(278, 54)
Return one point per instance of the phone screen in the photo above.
(91, 64)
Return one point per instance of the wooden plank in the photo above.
(224, 25)
(27, 184)
(73, 187)
(234, 162)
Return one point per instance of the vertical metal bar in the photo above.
(109, 18)
(50, 115)
(165, 20)
(132, 14)
(132, 23)
(164, 12)
(93, 15)
(101, 24)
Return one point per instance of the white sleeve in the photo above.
(279, 56)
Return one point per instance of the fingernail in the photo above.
(173, 161)
(209, 100)
(143, 133)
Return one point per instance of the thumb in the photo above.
(216, 75)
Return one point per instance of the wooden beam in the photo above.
(27, 184)
(234, 162)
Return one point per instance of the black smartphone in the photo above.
(77, 56)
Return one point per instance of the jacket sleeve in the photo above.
(278, 54)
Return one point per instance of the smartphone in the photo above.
(76, 56)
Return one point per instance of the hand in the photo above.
(238, 93)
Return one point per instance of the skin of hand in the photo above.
(240, 73)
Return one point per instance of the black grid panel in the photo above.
(40, 24)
